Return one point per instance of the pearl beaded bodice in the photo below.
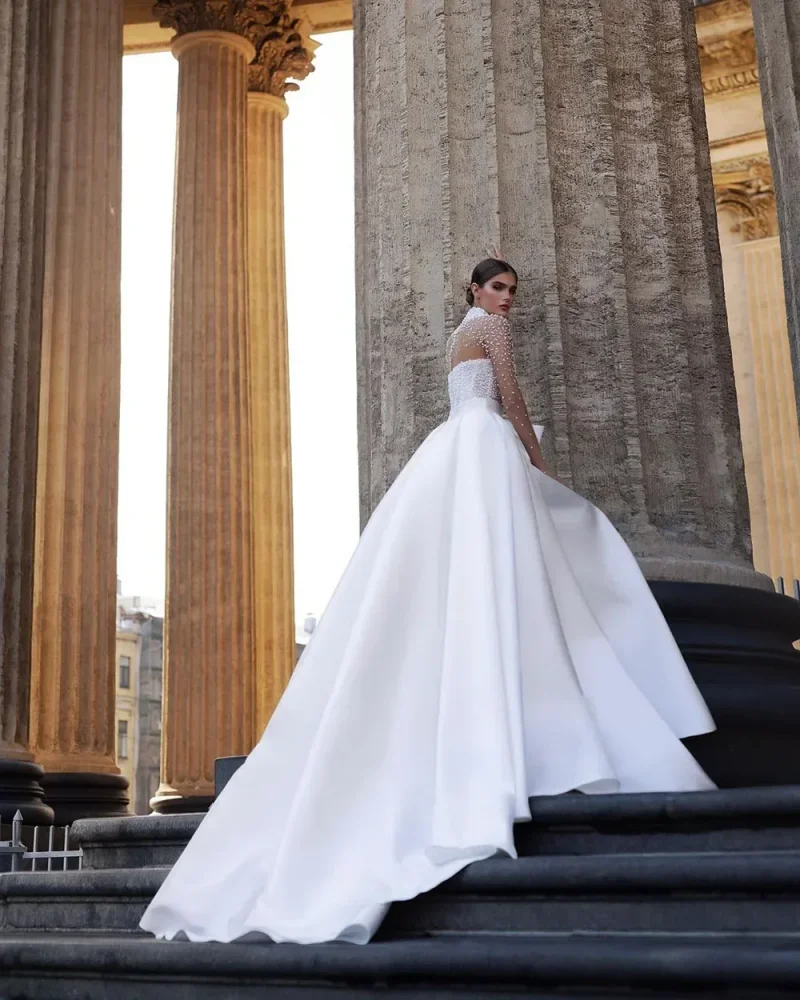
(477, 378)
(492, 377)
(472, 379)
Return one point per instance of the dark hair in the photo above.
(485, 271)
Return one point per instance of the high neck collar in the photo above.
(475, 311)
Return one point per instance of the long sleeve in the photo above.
(494, 333)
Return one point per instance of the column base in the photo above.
(21, 789)
(666, 561)
(738, 643)
(84, 795)
(168, 801)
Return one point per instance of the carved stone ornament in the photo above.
(241, 17)
(282, 50)
(745, 188)
(721, 10)
(282, 54)
(729, 62)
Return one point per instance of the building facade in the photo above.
(127, 708)
(754, 290)
(139, 670)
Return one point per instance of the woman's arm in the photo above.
(495, 336)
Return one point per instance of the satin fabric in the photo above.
(491, 639)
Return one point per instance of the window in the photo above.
(124, 671)
(122, 739)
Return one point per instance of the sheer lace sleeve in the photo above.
(494, 334)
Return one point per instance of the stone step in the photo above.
(738, 819)
(95, 902)
(136, 841)
(692, 892)
(751, 892)
(567, 967)
(723, 820)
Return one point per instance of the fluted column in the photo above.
(749, 391)
(770, 437)
(777, 28)
(779, 439)
(280, 51)
(210, 678)
(273, 563)
(572, 132)
(72, 688)
(23, 60)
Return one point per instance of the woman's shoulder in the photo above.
(486, 324)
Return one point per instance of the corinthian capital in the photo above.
(744, 187)
(241, 17)
(283, 52)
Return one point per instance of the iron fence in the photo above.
(780, 586)
(40, 858)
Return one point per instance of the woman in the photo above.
(491, 639)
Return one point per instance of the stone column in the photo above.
(780, 445)
(777, 26)
(281, 51)
(74, 618)
(572, 133)
(209, 668)
(23, 108)
(770, 438)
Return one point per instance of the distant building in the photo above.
(149, 605)
(138, 707)
(127, 715)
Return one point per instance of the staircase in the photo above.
(616, 896)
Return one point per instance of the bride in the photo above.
(492, 639)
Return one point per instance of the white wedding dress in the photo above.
(491, 639)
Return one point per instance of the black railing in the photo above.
(781, 587)
(40, 859)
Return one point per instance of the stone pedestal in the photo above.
(73, 661)
(738, 644)
(23, 127)
(273, 563)
(209, 670)
(571, 133)
(777, 26)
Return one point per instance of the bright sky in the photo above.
(319, 171)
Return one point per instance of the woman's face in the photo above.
(497, 295)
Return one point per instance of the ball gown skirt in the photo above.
(491, 639)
